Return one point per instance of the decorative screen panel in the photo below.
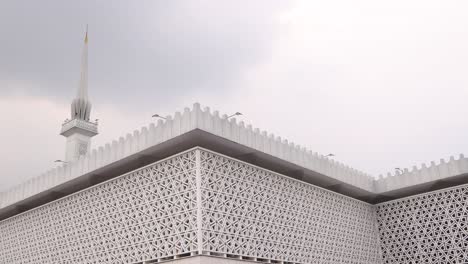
(143, 215)
(428, 228)
(249, 211)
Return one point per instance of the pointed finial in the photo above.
(81, 106)
(86, 36)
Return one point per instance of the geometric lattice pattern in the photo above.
(195, 202)
(146, 214)
(427, 228)
(254, 212)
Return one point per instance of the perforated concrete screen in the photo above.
(146, 214)
(250, 211)
(427, 228)
(197, 202)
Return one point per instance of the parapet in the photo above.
(432, 173)
(237, 132)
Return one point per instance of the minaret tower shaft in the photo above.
(79, 130)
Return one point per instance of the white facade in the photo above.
(199, 205)
(195, 203)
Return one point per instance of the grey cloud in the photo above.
(140, 51)
(381, 85)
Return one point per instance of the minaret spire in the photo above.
(81, 106)
(79, 129)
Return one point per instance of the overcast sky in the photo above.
(381, 84)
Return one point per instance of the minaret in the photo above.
(79, 129)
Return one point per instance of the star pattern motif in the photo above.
(250, 211)
(427, 228)
(146, 214)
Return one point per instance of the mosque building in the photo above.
(200, 187)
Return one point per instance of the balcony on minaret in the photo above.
(73, 126)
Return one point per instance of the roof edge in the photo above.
(265, 148)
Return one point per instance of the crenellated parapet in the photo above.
(204, 119)
(180, 123)
(424, 174)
